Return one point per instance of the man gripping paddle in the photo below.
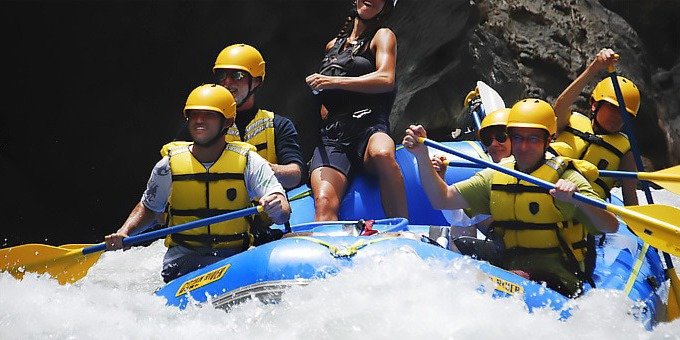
(539, 228)
(203, 179)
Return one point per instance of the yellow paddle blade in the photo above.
(668, 178)
(75, 246)
(660, 231)
(673, 304)
(67, 264)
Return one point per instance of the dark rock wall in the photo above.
(94, 88)
(526, 48)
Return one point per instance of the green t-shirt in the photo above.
(476, 191)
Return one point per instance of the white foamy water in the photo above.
(398, 296)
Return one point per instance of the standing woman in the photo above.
(356, 88)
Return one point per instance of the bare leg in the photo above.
(328, 186)
(379, 159)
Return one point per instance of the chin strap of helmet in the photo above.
(251, 91)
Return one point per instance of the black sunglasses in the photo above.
(223, 74)
(487, 139)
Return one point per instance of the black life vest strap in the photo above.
(519, 225)
(208, 177)
(579, 244)
(594, 139)
(604, 186)
(261, 146)
(200, 213)
(209, 241)
(518, 188)
(517, 251)
(572, 262)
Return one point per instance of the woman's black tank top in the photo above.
(353, 61)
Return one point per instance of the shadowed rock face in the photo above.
(95, 88)
(526, 49)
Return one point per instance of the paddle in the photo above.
(482, 100)
(659, 232)
(673, 303)
(668, 178)
(69, 263)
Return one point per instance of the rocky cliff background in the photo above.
(535, 49)
(94, 88)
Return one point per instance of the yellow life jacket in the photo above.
(605, 151)
(527, 219)
(198, 193)
(260, 133)
(165, 149)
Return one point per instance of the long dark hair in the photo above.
(373, 24)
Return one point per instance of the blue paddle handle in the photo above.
(528, 178)
(156, 234)
(628, 127)
(617, 174)
(603, 173)
(465, 165)
(475, 116)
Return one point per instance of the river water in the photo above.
(398, 296)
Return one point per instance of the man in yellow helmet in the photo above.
(540, 238)
(202, 179)
(493, 136)
(598, 139)
(241, 69)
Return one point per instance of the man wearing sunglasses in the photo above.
(541, 236)
(599, 139)
(493, 136)
(241, 69)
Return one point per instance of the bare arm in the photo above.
(289, 167)
(629, 185)
(441, 196)
(603, 220)
(276, 206)
(439, 164)
(140, 216)
(563, 104)
(289, 175)
(382, 80)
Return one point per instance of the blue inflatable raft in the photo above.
(319, 250)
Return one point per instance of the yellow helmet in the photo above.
(604, 90)
(211, 97)
(470, 96)
(496, 118)
(241, 57)
(533, 113)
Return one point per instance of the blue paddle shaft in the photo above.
(603, 173)
(528, 178)
(156, 234)
(628, 126)
(617, 174)
(475, 116)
